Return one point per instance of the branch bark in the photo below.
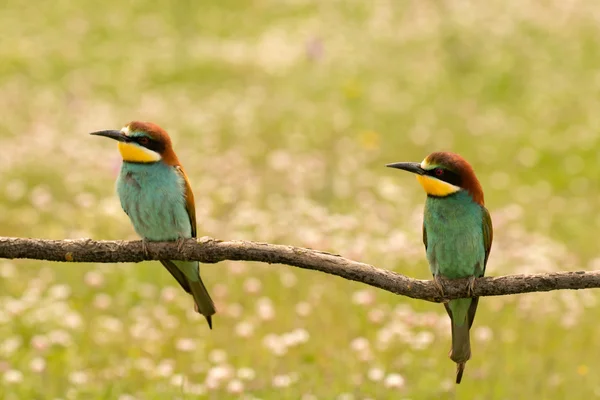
(208, 250)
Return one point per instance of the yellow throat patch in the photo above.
(134, 153)
(436, 187)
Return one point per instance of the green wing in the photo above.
(191, 210)
(488, 235)
(424, 236)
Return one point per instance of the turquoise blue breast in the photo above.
(455, 247)
(152, 195)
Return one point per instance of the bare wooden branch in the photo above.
(208, 250)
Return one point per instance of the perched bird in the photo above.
(457, 233)
(156, 195)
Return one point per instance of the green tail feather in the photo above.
(462, 313)
(204, 303)
(461, 348)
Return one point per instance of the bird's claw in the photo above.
(439, 284)
(471, 286)
(145, 247)
(180, 243)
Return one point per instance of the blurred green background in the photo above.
(283, 114)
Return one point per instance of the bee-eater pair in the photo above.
(156, 195)
(457, 233)
(457, 229)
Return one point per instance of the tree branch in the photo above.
(208, 251)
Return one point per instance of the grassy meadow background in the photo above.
(284, 114)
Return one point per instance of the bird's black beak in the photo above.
(413, 167)
(113, 134)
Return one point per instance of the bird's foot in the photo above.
(471, 286)
(180, 243)
(145, 247)
(439, 284)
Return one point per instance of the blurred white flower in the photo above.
(168, 294)
(281, 381)
(8, 269)
(60, 337)
(217, 374)
(102, 301)
(37, 364)
(59, 292)
(246, 374)
(235, 386)
(126, 397)
(279, 160)
(165, 368)
(10, 345)
(252, 285)
(303, 309)
(178, 380)
(40, 197)
(72, 320)
(244, 329)
(275, 344)
(376, 315)
(376, 374)
(447, 385)
(78, 378)
(483, 333)
(569, 320)
(363, 297)
(219, 290)
(39, 342)
(265, 308)
(15, 189)
(394, 381)
(111, 324)
(295, 337)
(288, 279)
(421, 340)
(13, 376)
(94, 279)
(185, 344)
(217, 356)
(359, 344)
(236, 268)
(14, 307)
(196, 389)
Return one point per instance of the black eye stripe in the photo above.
(139, 139)
(151, 144)
(447, 176)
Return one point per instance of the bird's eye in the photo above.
(438, 172)
(143, 140)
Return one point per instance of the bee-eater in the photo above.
(457, 233)
(156, 195)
